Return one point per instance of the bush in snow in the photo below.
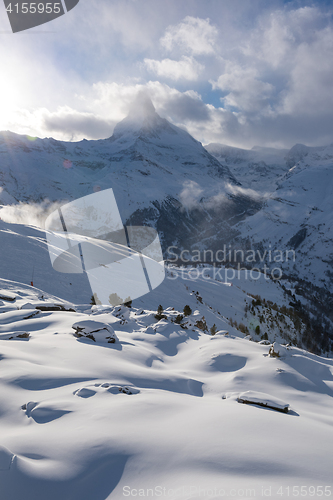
(187, 310)
(241, 327)
(213, 329)
(278, 351)
(201, 324)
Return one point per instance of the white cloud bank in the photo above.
(260, 75)
(187, 68)
(193, 35)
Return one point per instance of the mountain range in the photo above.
(216, 384)
(207, 203)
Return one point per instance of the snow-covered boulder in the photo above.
(6, 295)
(262, 399)
(14, 336)
(278, 351)
(222, 333)
(47, 306)
(95, 330)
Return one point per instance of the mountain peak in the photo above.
(142, 118)
(142, 121)
(142, 107)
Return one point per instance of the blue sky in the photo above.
(240, 72)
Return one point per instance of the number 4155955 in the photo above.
(305, 491)
(34, 8)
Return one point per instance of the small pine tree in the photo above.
(179, 318)
(213, 329)
(160, 314)
(187, 310)
(92, 301)
(257, 330)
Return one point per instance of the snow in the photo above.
(102, 403)
(277, 350)
(257, 168)
(95, 330)
(6, 458)
(147, 157)
(301, 204)
(87, 420)
(261, 399)
(6, 295)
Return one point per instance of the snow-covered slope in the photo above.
(298, 216)
(258, 168)
(25, 258)
(160, 409)
(147, 159)
(160, 176)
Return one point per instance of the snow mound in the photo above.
(6, 458)
(262, 399)
(44, 412)
(16, 315)
(222, 333)
(95, 330)
(6, 295)
(160, 326)
(106, 387)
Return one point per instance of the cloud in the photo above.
(193, 35)
(258, 74)
(194, 196)
(184, 108)
(31, 214)
(294, 47)
(190, 195)
(250, 193)
(65, 124)
(278, 83)
(74, 124)
(244, 90)
(187, 68)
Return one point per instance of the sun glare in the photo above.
(8, 102)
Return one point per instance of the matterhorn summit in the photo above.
(142, 107)
(142, 122)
